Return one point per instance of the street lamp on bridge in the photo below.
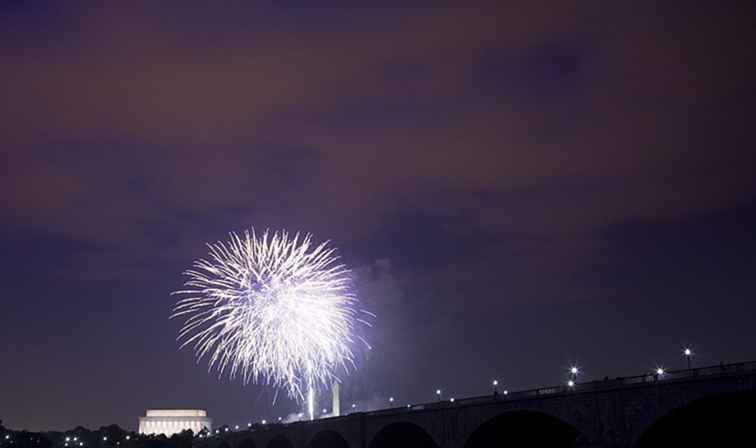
(574, 370)
(688, 353)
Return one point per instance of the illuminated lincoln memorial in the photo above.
(172, 421)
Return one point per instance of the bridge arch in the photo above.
(328, 439)
(402, 434)
(523, 428)
(280, 441)
(247, 443)
(719, 420)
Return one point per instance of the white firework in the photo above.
(273, 309)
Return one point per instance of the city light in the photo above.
(687, 352)
(495, 383)
(391, 399)
(438, 392)
(354, 405)
(127, 438)
(68, 439)
(104, 439)
(659, 371)
(570, 383)
(574, 370)
(264, 422)
(451, 399)
(249, 425)
(236, 427)
(506, 392)
(280, 418)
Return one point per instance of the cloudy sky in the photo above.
(518, 186)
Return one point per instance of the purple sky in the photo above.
(517, 186)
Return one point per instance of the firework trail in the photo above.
(273, 309)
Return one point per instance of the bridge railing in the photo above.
(606, 383)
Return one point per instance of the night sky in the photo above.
(517, 188)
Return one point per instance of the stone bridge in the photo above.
(712, 405)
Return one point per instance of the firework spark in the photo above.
(272, 309)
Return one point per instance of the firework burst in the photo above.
(272, 309)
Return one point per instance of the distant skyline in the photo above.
(518, 188)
